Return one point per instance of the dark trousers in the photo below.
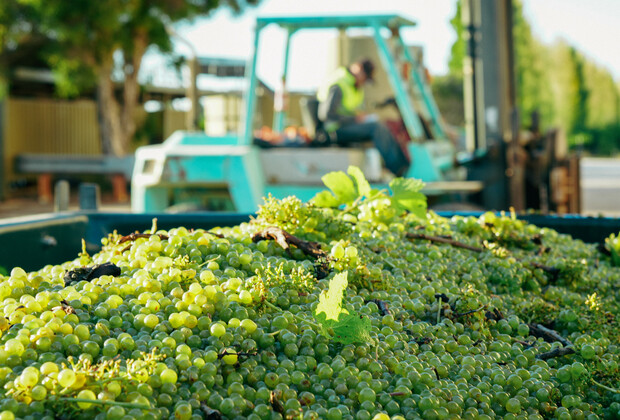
(393, 156)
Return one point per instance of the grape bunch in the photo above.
(397, 315)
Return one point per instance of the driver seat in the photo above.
(310, 118)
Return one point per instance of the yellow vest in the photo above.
(352, 98)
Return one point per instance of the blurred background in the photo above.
(83, 85)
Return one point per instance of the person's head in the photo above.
(363, 70)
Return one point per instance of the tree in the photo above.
(580, 104)
(531, 71)
(457, 52)
(17, 38)
(103, 42)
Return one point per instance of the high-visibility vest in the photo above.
(352, 97)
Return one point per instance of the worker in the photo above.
(340, 102)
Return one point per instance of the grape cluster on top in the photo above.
(470, 317)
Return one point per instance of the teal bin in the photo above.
(33, 242)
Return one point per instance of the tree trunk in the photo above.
(111, 109)
(104, 126)
(131, 91)
(119, 118)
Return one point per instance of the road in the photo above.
(600, 186)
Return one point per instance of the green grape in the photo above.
(86, 394)
(48, 367)
(217, 330)
(513, 405)
(151, 321)
(66, 378)
(14, 347)
(234, 326)
(249, 325)
(29, 377)
(588, 352)
(38, 393)
(245, 297)
(168, 376)
(337, 251)
(230, 358)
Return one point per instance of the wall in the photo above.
(48, 126)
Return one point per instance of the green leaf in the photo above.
(406, 195)
(613, 244)
(341, 186)
(352, 328)
(325, 199)
(335, 321)
(330, 300)
(363, 187)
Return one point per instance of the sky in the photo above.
(592, 26)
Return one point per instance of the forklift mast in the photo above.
(491, 116)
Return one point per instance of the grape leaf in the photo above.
(330, 300)
(352, 328)
(406, 195)
(341, 186)
(613, 244)
(335, 321)
(325, 199)
(363, 187)
(344, 189)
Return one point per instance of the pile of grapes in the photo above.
(358, 305)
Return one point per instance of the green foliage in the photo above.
(531, 72)
(457, 52)
(354, 192)
(406, 195)
(613, 245)
(330, 300)
(343, 190)
(71, 76)
(343, 326)
(448, 92)
(580, 101)
(565, 88)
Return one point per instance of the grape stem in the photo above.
(285, 239)
(548, 334)
(605, 387)
(298, 318)
(553, 271)
(458, 315)
(105, 402)
(558, 352)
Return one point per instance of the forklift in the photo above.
(194, 171)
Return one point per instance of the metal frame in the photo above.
(376, 23)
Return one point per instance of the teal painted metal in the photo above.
(422, 165)
(336, 21)
(425, 90)
(410, 117)
(239, 173)
(250, 94)
(190, 160)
